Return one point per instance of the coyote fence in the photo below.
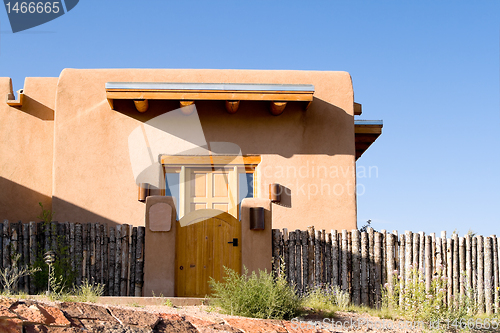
(93, 252)
(362, 263)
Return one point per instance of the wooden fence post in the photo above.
(488, 275)
(364, 269)
(344, 273)
(480, 273)
(335, 258)
(355, 267)
(377, 263)
(428, 263)
(305, 260)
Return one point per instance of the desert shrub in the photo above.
(261, 295)
(86, 292)
(329, 298)
(413, 302)
(9, 276)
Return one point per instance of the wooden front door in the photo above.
(208, 188)
(203, 248)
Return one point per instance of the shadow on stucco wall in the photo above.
(322, 129)
(37, 109)
(19, 203)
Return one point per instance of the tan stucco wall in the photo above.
(159, 254)
(26, 149)
(93, 180)
(256, 245)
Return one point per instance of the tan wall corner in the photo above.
(159, 255)
(256, 245)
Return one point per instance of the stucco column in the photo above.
(256, 245)
(159, 253)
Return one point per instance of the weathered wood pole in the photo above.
(139, 266)
(276, 250)
(356, 298)
(445, 253)
(124, 274)
(416, 251)
(408, 253)
(488, 275)
(377, 264)
(463, 271)
(328, 259)
(449, 263)
(474, 268)
(371, 267)
(118, 259)
(468, 265)
(439, 256)
(78, 253)
(402, 277)
(291, 258)
(322, 257)
(428, 263)
(433, 249)
(344, 272)
(364, 269)
(390, 263)
(456, 270)
(480, 273)
(26, 254)
(112, 258)
(421, 253)
(305, 260)
(383, 264)
(131, 289)
(298, 259)
(33, 252)
(6, 244)
(106, 261)
(496, 284)
(311, 239)
(335, 258)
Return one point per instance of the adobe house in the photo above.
(208, 160)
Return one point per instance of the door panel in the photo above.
(202, 250)
(212, 189)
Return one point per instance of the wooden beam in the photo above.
(357, 109)
(15, 102)
(232, 106)
(111, 104)
(185, 107)
(283, 96)
(210, 160)
(141, 105)
(277, 108)
(368, 129)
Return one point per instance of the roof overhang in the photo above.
(366, 132)
(188, 93)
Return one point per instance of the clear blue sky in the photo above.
(429, 69)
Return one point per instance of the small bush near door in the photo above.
(256, 295)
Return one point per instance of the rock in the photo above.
(6, 313)
(207, 326)
(111, 327)
(11, 325)
(135, 317)
(86, 311)
(174, 324)
(56, 316)
(31, 312)
(256, 325)
(295, 328)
